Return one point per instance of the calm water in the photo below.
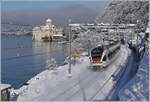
(22, 59)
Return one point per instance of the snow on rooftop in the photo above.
(49, 20)
(58, 35)
(132, 24)
(74, 25)
(147, 30)
(36, 28)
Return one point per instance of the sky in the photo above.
(19, 4)
(72, 8)
(30, 4)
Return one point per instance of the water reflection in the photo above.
(31, 60)
(49, 50)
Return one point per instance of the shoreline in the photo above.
(49, 80)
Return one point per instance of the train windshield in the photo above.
(97, 52)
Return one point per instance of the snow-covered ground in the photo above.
(85, 84)
(137, 89)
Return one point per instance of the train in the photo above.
(102, 55)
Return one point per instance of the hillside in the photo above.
(126, 12)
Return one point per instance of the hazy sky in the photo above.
(50, 4)
(14, 10)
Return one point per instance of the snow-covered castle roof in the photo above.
(36, 28)
(48, 20)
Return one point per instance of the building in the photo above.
(47, 32)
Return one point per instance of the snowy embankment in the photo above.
(85, 84)
(138, 87)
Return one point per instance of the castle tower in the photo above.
(49, 23)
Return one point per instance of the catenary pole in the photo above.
(70, 37)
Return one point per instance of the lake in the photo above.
(22, 59)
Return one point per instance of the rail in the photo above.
(88, 79)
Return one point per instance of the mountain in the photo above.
(136, 12)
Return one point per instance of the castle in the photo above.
(47, 32)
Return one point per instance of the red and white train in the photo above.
(101, 56)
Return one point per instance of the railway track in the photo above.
(90, 83)
(86, 77)
(78, 88)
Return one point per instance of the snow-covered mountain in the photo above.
(126, 12)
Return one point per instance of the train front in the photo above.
(98, 57)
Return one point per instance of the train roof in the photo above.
(106, 44)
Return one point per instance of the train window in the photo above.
(110, 55)
(97, 52)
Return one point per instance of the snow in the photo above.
(137, 89)
(123, 76)
(147, 29)
(85, 84)
(4, 86)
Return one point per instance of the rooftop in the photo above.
(49, 20)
